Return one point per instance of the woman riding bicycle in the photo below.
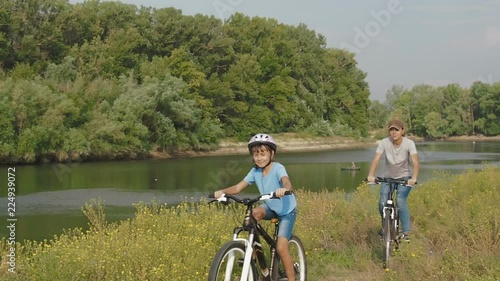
(270, 176)
(401, 160)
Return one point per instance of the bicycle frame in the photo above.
(254, 245)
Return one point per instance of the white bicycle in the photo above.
(244, 259)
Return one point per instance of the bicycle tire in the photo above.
(229, 261)
(394, 229)
(387, 236)
(298, 253)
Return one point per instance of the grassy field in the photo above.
(455, 223)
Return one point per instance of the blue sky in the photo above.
(401, 42)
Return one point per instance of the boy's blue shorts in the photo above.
(286, 221)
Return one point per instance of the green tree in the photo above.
(456, 110)
(346, 91)
(486, 107)
(378, 115)
(393, 95)
(7, 54)
(424, 99)
(7, 119)
(436, 126)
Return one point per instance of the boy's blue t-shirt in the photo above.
(270, 183)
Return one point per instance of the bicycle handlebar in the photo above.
(247, 201)
(379, 180)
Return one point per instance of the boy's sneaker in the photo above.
(380, 234)
(405, 237)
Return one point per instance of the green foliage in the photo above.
(7, 117)
(470, 248)
(326, 129)
(454, 221)
(122, 80)
(436, 126)
(56, 124)
(487, 107)
(378, 115)
(437, 112)
(22, 71)
(66, 71)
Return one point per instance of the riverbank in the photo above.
(287, 142)
(292, 142)
(473, 138)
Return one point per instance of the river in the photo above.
(48, 198)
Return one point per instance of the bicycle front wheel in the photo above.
(227, 264)
(298, 254)
(387, 237)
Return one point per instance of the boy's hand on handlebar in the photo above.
(412, 182)
(218, 194)
(280, 192)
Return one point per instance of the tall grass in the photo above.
(455, 223)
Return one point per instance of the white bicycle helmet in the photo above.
(262, 139)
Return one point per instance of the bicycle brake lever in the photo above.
(223, 199)
(268, 196)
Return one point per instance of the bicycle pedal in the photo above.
(296, 268)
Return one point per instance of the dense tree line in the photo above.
(107, 80)
(439, 112)
(111, 80)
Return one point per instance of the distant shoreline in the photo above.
(293, 143)
(473, 138)
(286, 143)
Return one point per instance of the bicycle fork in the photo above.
(389, 205)
(392, 219)
(248, 258)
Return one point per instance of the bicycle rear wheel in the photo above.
(227, 264)
(298, 254)
(387, 236)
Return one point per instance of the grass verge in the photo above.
(455, 223)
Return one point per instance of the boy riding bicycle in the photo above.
(270, 176)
